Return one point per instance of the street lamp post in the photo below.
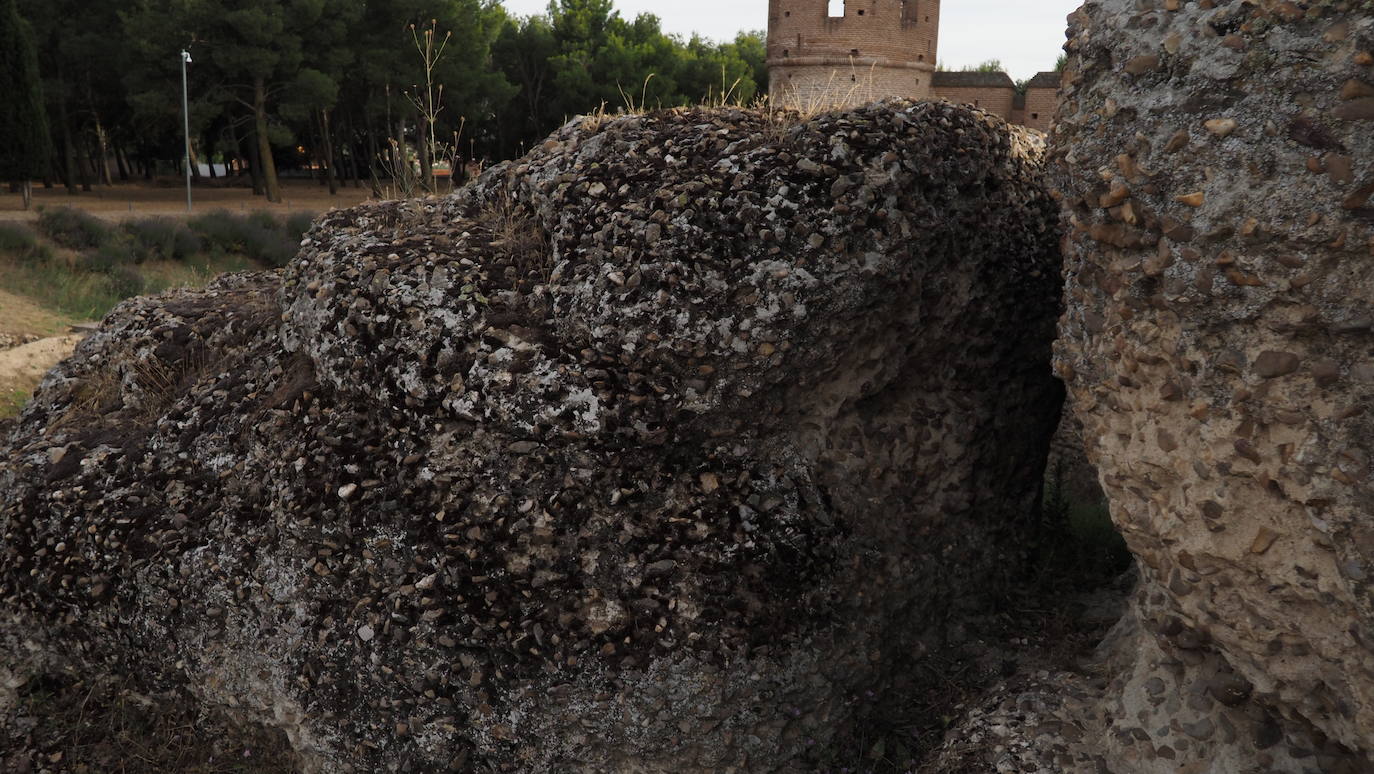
(186, 123)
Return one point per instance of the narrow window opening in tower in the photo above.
(786, 53)
(836, 9)
(853, 52)
(861, 12)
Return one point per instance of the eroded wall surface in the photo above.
(647, 452)
(1216, 162)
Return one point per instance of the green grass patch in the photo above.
(12, 402)
(149, 255)
(73, 290)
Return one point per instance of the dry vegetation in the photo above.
(82, 725)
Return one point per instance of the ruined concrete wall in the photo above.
(1216, 165)
(651, 451)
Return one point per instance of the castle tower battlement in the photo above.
(870, 49)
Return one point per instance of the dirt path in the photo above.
(23, 367)
(21, 317)
(141, 200)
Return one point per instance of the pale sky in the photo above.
(1027, 35)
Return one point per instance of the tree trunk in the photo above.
(68, 147)
(255, 165)
(121, 165)
(373, 156)
(316, 150)
(85, 162)
(269, 167)
(328, 154)
(103, 153)
(26, 193)
(353, 155)
(243, 161)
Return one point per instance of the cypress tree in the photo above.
(24, 147)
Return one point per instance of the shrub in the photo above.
(72, 228)
(19, 242)
(162, 238)
(125, 281)
(257, 235)
(117, 251)
(297, 224)
(16, 238)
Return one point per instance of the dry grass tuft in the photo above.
(69, 723)
(161, 383)
(517, 239)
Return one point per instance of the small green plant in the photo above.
(72, 228)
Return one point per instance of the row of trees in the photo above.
(367, 90)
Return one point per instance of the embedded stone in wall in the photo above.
(1215, 163)
(647, 452)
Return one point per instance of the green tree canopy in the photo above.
(24, 147)
(311, 85)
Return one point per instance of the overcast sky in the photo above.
(1027, 35)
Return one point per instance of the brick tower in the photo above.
(834, 53)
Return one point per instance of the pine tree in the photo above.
(24, 148)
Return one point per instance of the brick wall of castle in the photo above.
(882, 48)
(878, 47)
(810, 88)
(994, 99)
(1040, 107)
